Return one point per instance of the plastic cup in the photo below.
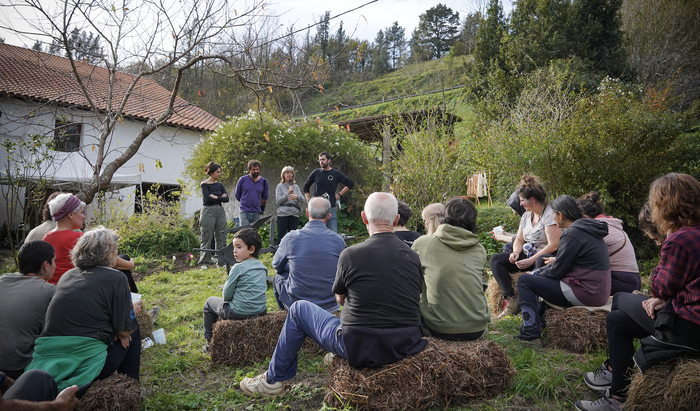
(135, 297)
(159, 336)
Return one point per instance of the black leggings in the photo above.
(126, 361)
(286, 224)
(627, 320)
(501, 268)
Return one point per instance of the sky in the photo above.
(367, 21)
(363, 23)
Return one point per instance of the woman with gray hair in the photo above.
(290, 203)
(91, 328)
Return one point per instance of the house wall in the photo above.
(169, 145)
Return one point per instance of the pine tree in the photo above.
(438, 29)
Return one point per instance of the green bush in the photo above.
(276, 144)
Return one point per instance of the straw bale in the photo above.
(666, 387)
(494, 296)
(577, 329)
(445, 373)
(145, 322)
(240, 343)
(118, 392)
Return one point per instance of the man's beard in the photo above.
(255, 175)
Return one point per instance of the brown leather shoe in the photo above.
(512, 307)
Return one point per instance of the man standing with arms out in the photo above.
(379, 283)
(307, 259)
(251, 192)
(327, 179)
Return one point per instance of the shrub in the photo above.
(278, 143)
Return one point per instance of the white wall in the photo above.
(167, 144)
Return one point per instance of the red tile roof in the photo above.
(44, 77)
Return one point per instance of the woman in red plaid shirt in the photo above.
(672, 314)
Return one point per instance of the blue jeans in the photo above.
(529, 288)
(332, 222)
(249, 218)
(304, 319)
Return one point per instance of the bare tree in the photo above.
(155, 38)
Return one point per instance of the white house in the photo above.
(39, 95)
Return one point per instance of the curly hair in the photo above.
(96, 247)
(530, 187)
(674, 200)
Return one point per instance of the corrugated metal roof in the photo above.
(44, 77)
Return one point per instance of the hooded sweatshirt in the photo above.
(582, 263)
(453, 300)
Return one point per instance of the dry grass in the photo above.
(666, 387)
(445, 373)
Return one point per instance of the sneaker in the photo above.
(600, 379)
(602, 404)
(259, 384)
(153, 312)
(205, 348)
(512, 307)
(328, 358)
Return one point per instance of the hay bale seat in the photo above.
(118, 392)
(495, 298)
(445, 373)
(145, 323)
(666, 387)
(240, 343)
(577, 329)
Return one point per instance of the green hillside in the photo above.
(414, 79)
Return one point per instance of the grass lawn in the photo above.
(179, 376)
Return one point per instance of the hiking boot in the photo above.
(259, 384)
(153, 312)
(602, 404)
(600, 379)
(512, 307)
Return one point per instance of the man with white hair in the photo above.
(306, 261)
(378, 282)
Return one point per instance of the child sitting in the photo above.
(244, 290)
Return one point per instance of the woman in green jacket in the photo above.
(453, 305)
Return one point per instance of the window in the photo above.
(66, 135)
(154, 195)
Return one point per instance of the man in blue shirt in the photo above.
(252, 192)
(327, 179)
(307, 259)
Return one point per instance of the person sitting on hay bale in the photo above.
(672, 315)
(623, 263)
(400, 230)
(379, 283)
(306, 261)
(244, 289)
(504, 236)
(432, 217)
(453, 306)
(91, 328)
(537, 238)
(580, 276)
(29, 290)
